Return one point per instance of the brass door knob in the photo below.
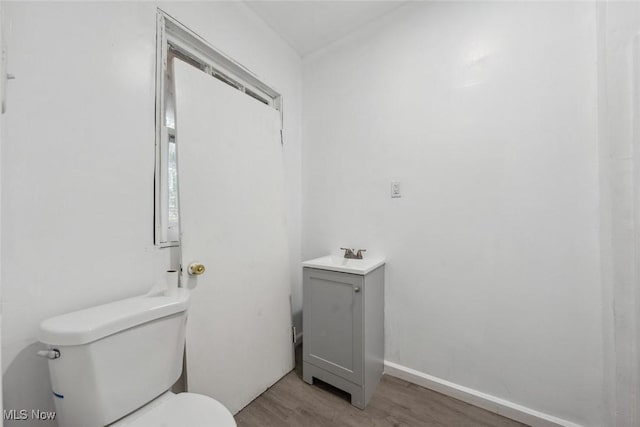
(195, 269)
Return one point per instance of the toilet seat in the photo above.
(180, 410)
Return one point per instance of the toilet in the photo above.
(114, 364)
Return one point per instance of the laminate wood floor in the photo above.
(396, 403)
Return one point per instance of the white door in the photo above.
(232, 220)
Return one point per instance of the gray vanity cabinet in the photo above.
(343, 323)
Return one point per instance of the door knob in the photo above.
(196, 269)
(356, 289)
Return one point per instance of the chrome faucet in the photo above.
(351, 254)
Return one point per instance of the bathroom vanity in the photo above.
(343, 321)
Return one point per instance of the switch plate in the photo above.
(395, 190)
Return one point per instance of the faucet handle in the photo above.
(359, 254)
(348, 253)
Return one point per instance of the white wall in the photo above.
(619, 102)
(2, 70)
(78, 160)
(487, 114)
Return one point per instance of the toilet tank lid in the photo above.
(91, 324)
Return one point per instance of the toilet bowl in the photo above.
(113, 365)
(179, 410)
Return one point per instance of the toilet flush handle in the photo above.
(49, 354)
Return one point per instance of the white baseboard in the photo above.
(485, 401)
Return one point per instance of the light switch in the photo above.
(395, 190)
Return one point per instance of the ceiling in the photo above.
(310, 25)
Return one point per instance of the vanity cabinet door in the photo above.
(333, 321)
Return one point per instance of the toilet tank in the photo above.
(115, 358)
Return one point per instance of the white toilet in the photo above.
(113, 365)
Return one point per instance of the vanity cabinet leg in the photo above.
(357, 397)
(306, 374)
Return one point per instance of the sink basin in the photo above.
(344, 265)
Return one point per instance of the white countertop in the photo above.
(345, 265)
